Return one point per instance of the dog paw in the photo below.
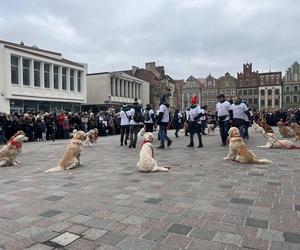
(225, 158)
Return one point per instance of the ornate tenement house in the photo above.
(191, 88)
(160, 83)
(178, 96)
(228, 85)
(210, 91)
(291, 87)
(247, 85)
(270, 91)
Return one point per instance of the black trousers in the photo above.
(149, 127)
(124, 132)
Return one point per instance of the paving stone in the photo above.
(228, 238)
(256, 223)
(70, 184)
(177, 240)
(273, 183)
(65, 238)
(97, 223)
(53, 198)
(155, 235)
(153, 200)
(179, 229)
(203, 234)
(94, 233)
(226, 186)
(79, 218)
(242, 201)
(60, 226)
(131, 219)
(50, 213)
(270, 235)
(30, 232)
(111, 239)
(39, 246)
(199, 244)
(82, 244)
(131, 243)
(44, 236)
(77, 229)
(256, 174)
(276, 245)
(291, 237)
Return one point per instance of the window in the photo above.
(269, 103)
(269, 91)
(14, 61)
(239, 92)
(255, 92)
(262, 103)
(208, 92)
(227, 91)
(233, 92)
(287, 99)
(55, 77)
(250, 101)
(245, 92)
(262, 92)
(250, 92)
(112, 86)
(203, 101)
(277, 92)
(214, 92)
(295, 88)
(255, 101)
(208, 102)
(26, 72)
(204, 92)
(295, 99)
(78, 81)
(287, 89)
(47, 75)
(71, 80)
(64, 78)
(37, 74)
(276, 102)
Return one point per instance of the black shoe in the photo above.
(190, 145)
(121, 144)
(176, 135)
(161, 147)
(223, 144)
(133, 146)
(169, 143)
(200, 146)
(130, 146)
(125, 143)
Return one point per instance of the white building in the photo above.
(115, 88)
(33, 79)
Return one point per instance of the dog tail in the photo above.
(262, 161)
(55, 169)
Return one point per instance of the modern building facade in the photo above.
(270, 91)
(228, 85)
(114, 89)
(33, 79)
(291, 87)
(247, 85)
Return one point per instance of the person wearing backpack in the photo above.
(124, 115)
(163, 121)
(136, 122)
(176, 121)
(149, 118)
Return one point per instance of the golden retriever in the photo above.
(238, 150)
(296, 131)
(257, 129)
(20, 132)
(71, 157)
(91, 137)
(284, 131)
(9, 153)
(147, 163)
(267, 127)
(273, 142)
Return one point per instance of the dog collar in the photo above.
(18, 145)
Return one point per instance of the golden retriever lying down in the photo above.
(273, 142)
(147, 162)
(238, 150)
(9, 153)
(296, 131)
(71, 157)
(284, 131)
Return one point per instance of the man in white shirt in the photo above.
(124, 115)
(136, 121)
(240, 115)
(149, 118)
(163, 122)
(224, 115)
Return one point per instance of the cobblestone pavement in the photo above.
(202, 203)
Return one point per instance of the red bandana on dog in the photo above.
(146, 141)
(18, 145)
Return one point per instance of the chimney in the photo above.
(150, 66)
(134, 69)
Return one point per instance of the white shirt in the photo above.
(223, 109)
(124, 117)
(179, 117)
(151, 112)
(132, 122)
(203, 118)
(239, 111)
(187, 114)
(194, 112)
(164, 109)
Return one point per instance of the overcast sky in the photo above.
(188, 37)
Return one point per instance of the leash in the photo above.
(296, 147)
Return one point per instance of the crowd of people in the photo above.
(130, 119)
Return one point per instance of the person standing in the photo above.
(136, 121)
(163, 121)
(186, 132)
(177, 118)
(149, 118)
(124, 115)
(240, 115)
(223, 115)
(203, 119)
(194, 123)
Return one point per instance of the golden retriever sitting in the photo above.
(238, 150)
(20, 132)
(147, 162)
(296, 131)
(9, 153)
(273, 142)
(284, 131)
(71, 157)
